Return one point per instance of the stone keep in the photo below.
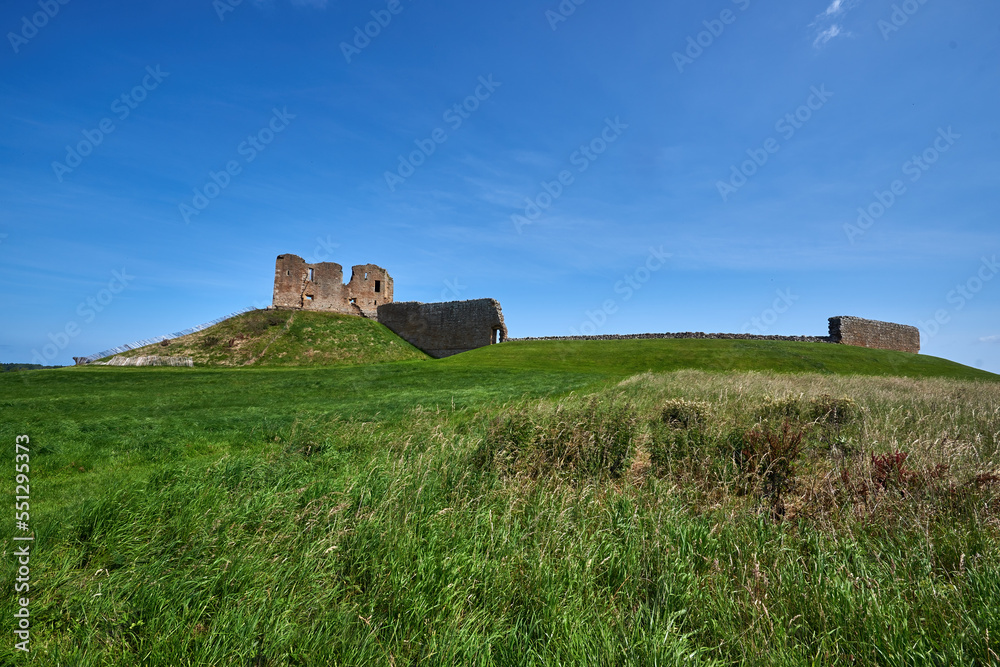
(439, 329)
(872, 333)
(444, 329)
(321, 287)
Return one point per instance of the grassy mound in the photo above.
(298, 338)
(287, 338)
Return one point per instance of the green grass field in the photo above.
(624, 502)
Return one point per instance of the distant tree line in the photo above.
(9, 368)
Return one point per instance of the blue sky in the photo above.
(597, 167)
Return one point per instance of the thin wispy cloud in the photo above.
(826, 35)
(836, 7)
(828, 22)
(990, 339)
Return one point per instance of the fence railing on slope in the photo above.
(157, 339)
(147, 361)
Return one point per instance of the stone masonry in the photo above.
(843, 330)
(444, 329)
(872, 333)
(321, 287)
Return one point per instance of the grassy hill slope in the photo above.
(299, 338)
(287, 338)
(626, 357)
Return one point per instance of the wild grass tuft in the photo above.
(591, 440)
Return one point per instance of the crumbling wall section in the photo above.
(298, 284)
(874, 334)
(370, 287)
(289, 277)
(444, 329)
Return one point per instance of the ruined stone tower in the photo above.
(439, 329)
(321, 287)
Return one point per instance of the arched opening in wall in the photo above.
(496, 337)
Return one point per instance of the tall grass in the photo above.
(635, 526)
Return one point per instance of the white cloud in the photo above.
(826, 22)
(836, 7)
(990, 339)
(826, 35)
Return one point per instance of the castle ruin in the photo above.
(321, 287)
(439, 329)
(444, 329)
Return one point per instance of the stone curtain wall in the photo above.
(444, 329)
(686, 334)
(321, 287)
(844, 330)
(872, 333)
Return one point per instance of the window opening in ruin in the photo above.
(309, 297)
(366, 275)
(353, 301)
(378, 285)
(288, 273)
(496, 337)
(310, 274)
